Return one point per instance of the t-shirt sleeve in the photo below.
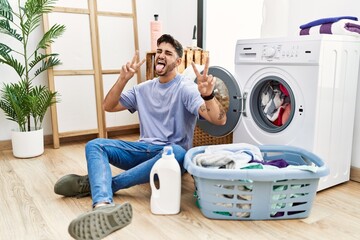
(128, 100)
(192, 99)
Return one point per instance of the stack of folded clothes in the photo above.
(345, 25)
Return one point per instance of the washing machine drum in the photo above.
(228, 94)
(263, 113)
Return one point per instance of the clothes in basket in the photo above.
(253, 193)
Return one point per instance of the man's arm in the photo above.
(211, 110)
(111, 102)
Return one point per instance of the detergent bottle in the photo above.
(165, 196)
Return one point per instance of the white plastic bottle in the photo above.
(155, 31)
(165, 197)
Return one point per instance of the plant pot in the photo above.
(27, 144)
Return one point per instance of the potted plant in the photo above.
(22, 101)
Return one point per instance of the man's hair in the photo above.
(175, 43)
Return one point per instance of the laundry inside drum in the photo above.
(275, 103)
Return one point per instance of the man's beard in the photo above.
(169, 68)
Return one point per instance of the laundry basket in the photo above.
(258, 194)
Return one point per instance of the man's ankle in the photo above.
(101, 204)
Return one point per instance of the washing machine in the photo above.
(298, 91)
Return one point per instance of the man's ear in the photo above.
(178, 61)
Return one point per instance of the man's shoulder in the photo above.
(188, 83)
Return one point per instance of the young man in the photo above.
(168, 107)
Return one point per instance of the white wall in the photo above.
(227, 21)
(177, 18)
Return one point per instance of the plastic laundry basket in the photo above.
(258, 194)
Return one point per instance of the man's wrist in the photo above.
(207, 98)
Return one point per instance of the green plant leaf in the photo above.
(34, 9)
(40, 99)
(49, 63)
(14, 63)
(6, 28)
(54, 32)
(31, 24)
(5, 10)
(13, 103)
(4, 50)
(38, 7)
(39, 58)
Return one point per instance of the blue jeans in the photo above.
(136, 158)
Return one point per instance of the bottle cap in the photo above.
(156, 16)
(168, 150)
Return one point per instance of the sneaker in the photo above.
(100, 222)
(73, 185)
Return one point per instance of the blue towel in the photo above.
(326, 20)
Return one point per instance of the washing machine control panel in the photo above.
(269, 52)
(306, 52)
(278, 52)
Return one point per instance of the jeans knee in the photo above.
(95, 143)
(179, 153)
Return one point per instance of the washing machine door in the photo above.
(227, 92)
(273, 105)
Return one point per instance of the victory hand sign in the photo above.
(129, 69)
(211, 110)
(205, 82)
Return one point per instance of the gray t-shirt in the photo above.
(167, 111)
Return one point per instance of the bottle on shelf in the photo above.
(155, 31)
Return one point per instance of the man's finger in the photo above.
(206, 68)
(140, 63)
(135, 57)
(124, 68)
(129, 68)
(195, 70)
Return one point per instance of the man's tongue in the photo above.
(159, 67)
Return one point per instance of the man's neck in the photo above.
(168, 77)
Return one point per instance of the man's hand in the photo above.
(211, 109)
(206, 83)
(130, 68)
(111, 102)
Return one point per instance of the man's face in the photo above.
(166, 59)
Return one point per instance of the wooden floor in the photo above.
(29, 209)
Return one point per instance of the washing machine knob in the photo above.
(269, 52)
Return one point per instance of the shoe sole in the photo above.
(101, 222)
